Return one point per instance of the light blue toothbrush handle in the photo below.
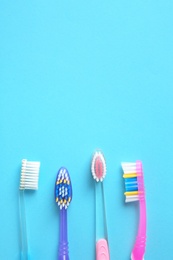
(24, 256)
(23, 234)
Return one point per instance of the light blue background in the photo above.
(74, 76)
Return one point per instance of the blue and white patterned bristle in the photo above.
(131, 182)
(63, 189)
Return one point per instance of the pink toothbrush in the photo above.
(135, 191)
(98, 169)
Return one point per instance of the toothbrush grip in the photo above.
(24, 256)
(139, 247)
(23, 231)
(102, 250)
(63, 253)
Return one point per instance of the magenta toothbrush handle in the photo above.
(63, 253)
(139, 247)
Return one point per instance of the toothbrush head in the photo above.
(29, 175)
(134, 181)
(98, 166)
(63, 188)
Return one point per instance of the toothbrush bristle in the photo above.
(134, 187)
(98, 166)
(63, 188)
(29, 175)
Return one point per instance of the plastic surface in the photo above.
(63, 253)
(139, 247)
(23, 231)
(102, 250)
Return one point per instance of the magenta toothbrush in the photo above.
(98, 169)
(63, 197)
(135, 191)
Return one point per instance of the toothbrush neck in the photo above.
(142, 220)
(63, 253)
(63, 225)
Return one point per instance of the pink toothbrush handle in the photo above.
(139, 247)
(102, 250)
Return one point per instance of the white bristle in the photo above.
(131, 198)
(129, 168)
(29, 175)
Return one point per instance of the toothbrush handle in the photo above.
(63, 253)
(102, 250)
(139, 247)
(23, 232)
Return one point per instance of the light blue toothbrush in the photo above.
(28, 181)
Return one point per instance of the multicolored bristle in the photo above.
(98, 166)
(63, 188)
(133, 181)
(29, 175)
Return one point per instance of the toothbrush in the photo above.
(135, 191)
(98, 169)
(63, 197)
(28, 181)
